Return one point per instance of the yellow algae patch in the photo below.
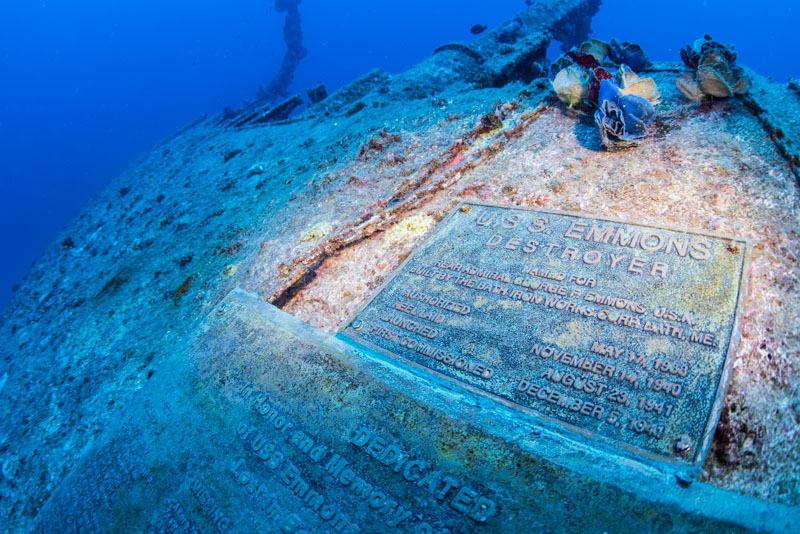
(230, 270)
(408, 229)
(480, 301)
(319, 230)
(460, 321)
(657, 345)
(490, 355)
(578, 335)
(506, 305)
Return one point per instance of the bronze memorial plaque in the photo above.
(619, 332)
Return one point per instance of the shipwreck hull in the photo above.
(313, 212)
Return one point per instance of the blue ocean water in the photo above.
(86, 86)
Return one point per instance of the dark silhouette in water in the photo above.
(478, 29)
(295, 52)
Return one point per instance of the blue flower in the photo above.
(622, 119)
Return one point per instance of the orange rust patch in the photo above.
(183, 289)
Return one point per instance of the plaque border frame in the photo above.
(695, 463)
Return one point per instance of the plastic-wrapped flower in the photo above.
(580, 72)
(598, 75)
(630, 54)
(633, 84)
(595, 48)
(622, 118)
(572, 85)
(714, 71)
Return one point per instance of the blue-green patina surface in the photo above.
(620, 331)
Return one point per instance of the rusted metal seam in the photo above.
(424, 188)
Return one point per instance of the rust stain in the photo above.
(437, 174)
(183, 289)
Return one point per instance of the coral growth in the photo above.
(714, 71)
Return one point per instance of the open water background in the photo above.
(86, 86)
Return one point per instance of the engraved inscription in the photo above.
(174, 519)
(423, 474)
(273, 443)
(618, 329)
(208, 503)
(265, 425)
